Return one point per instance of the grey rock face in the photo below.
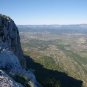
(11, 56)
(9, 61)
(9, 38)
(7, 81)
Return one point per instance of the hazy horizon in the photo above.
(52, 24)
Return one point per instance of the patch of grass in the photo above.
(21, 80)
(47, 62)
(61, 46)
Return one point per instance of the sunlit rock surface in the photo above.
(9, 38)
(6, 81)
(11, 56)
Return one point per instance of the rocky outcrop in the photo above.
(9, 38)
(11, 56)
(8, 60)
(6, 81)
(11, 63)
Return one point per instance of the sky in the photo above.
(40, 12)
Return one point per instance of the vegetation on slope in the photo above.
(51, 78)
(56, 52)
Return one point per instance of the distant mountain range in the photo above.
(55, 25)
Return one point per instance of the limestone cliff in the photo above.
(11, 57)
(10, 63)
(9, 37)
